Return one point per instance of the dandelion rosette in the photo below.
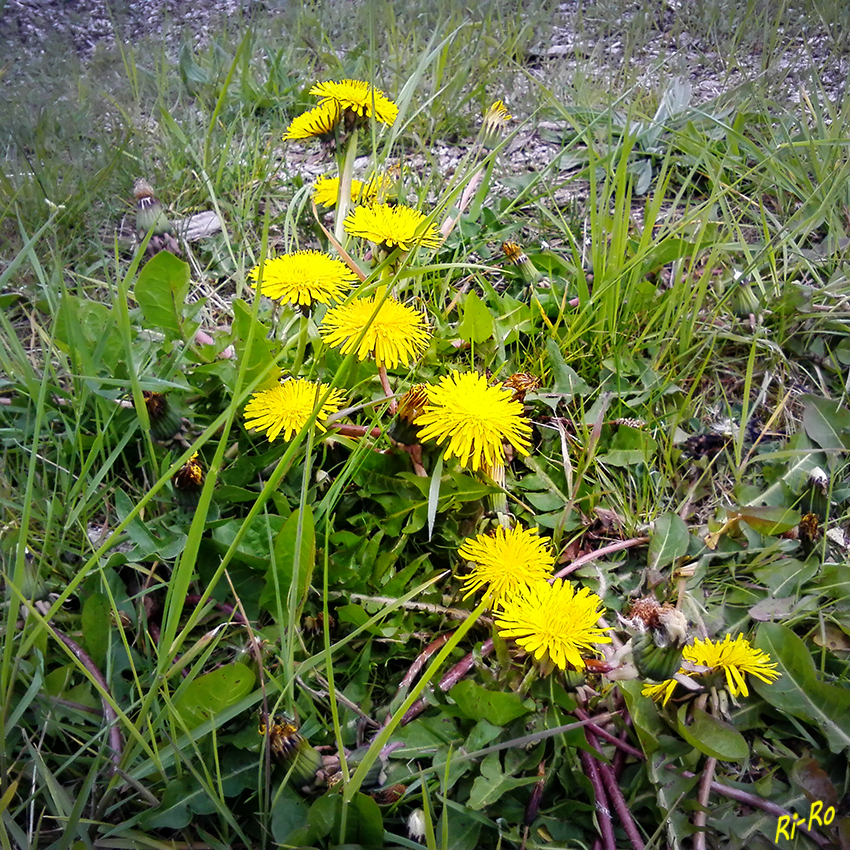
(553, 622)
(288, 405)
(475, 420)
(304, 277)
(397, 334)
(506, 561)
(357, 97)
(391, 226)
(319, 121)
(735, 658)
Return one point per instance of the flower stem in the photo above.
(385, 383)
(346, 175)
(302, 345)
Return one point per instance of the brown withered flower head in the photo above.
(522, 383)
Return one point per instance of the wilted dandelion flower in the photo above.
(734, 657)
(521, 383)
(397, 334)
(188, 482)
(388, 226)
(506, 561)
(553, 622)
(357, 97)
(304, 277)
(474, 419)
(288, 405)
(319, 121)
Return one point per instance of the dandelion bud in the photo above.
(517, 257)
(292, 749)
(188, 482)
(165, 423)
(149, 212)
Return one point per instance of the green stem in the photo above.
(346, 175)
(302, 345)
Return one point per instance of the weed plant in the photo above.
(260, 590)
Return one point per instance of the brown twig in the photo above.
(598, 553)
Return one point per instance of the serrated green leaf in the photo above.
(213, 692)
(161, 291)
(770, 521)
(798, 691)
(476, 324)
(489, 787)
(564, 379)
(260, 354)
(711, 735)
(496, 707)
(827, 423)
(669, 541)
(96, 627)
(286, 568)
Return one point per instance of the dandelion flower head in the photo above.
(319, 121)
(506, 561)
(734, 657)
(391, 226)
(288, 405)
(357, 97)
(304, 277)
(474, 419)
(553, 621)
(398, 333)
(326, 189)
(496, 118)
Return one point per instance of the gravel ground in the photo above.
(37, 25)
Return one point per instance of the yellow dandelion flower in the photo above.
(553, 621)
(396, 335)
(495, 120)
(358, 97)
(287, 407)
(506, 561)
(389, 226)
(326, 191)
(319, 121)
(475, 419)
(734, 657)
(304, 277)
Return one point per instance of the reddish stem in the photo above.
(603, 813)
(448, 681)
(598, 553)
